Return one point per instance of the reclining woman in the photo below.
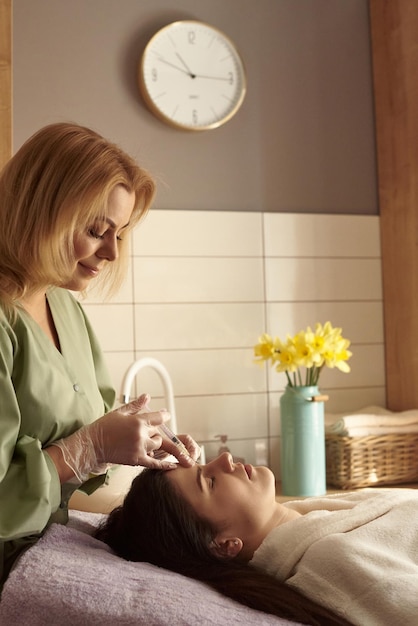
(336, 559)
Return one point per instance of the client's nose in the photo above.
(223, 462)
(226, 461)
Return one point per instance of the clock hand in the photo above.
(186, 66)
(213, 77)
(176, 67)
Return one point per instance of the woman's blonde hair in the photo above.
(57, 185)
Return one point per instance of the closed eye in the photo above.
(95, 234)
(200, 477)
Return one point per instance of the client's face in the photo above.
(237, 498)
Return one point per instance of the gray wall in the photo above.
(303, 140)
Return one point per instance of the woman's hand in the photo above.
(157, 446)
(185, 459)
(128, 435)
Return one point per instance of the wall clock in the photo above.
(191, 76)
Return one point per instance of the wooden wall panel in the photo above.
(5, 81)
(394, 29)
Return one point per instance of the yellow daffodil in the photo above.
(308, 349)
(264, 350)
(285, 358)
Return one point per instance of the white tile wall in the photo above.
(204, 285)
(198, 279)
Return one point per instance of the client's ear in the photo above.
(226, 548)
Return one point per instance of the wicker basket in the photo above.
(369, 461)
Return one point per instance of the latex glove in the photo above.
(124, 436)
(168, 447)
(192, 449)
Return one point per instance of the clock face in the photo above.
(191, 76)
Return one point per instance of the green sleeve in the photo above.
(45, 394)
(29, 485)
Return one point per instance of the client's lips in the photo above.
(249, 470)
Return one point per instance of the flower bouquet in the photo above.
(308, 350)
(302, 435)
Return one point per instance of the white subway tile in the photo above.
(206, 372)
(199, 233)
(274, 413)
(198, 280)
(346, 400)
(254, 451)
(323, 279)
(309, 235)
(118, 363)
(361, 322)
(274, 457)
(197, 325)
(113, 325)
(239, 416)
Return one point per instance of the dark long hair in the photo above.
(155, 524)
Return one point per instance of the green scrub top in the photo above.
(45, 394)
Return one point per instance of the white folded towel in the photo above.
(376, 431)
(372, 421)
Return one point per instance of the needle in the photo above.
(172, 437)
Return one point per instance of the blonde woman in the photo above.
(68, 201)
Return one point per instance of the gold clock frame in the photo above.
(153, 107)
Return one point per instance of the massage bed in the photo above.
(69, 578)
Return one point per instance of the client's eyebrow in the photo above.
(199, 478)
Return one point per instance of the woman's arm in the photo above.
(64, 471)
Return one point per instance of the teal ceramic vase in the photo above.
(302, 442)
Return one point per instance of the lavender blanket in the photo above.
(71, 579)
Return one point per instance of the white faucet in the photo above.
(158, 367)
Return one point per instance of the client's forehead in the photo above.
(186, 479)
